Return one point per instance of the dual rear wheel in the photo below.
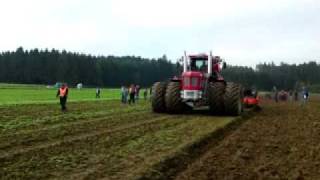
(223, 99)
(166, 97)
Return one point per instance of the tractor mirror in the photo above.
(224, 65)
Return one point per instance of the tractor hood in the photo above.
(192, 74)
(192, 80)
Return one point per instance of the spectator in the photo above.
(132, 93)
(98, 92)
(123, 94)
(137, 91)
(290, 95)
(126, 92)
(295, 95)
(276, 94)
(305, 95)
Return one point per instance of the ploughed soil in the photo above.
(280, 142)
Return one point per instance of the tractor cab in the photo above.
(199, 63)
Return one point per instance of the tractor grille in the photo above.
(193, 81)
(186, 81)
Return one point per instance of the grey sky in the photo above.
(244, 32)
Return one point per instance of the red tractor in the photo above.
(200, 85)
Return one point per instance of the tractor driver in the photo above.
(199, 65)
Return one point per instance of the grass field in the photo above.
(94, 138)
(27, 94)
(102, 139)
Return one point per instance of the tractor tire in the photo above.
(173, 98)
(233, 99)
(158, 97)
(216, 92)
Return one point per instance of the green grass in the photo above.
(30, 94)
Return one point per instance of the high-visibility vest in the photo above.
(62, 92)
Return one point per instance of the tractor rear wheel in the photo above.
(233, 99)
(173, 98)
(158, 97)
(215, 97)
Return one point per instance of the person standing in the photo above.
(295, 94)
(63, 94)
(137, 91)
(123, 94)
(126, 92)
(132, 93)
(305, 95)
(276, 94)
(98, 92)
(290, 95)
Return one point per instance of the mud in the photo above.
(280, 142)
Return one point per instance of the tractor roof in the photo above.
(202, 56)
(205, 56)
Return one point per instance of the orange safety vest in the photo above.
(62, 92)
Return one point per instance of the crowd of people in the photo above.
(291, 95)
(131, 94)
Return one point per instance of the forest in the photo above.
(50, 66)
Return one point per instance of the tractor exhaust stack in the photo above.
(210, 63)
(185, 62)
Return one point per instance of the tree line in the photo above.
(50, 66)
(284, 76)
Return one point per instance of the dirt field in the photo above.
(281, 142)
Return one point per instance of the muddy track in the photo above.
(281, 142)
(178, 161)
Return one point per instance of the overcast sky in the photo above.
(244, 32)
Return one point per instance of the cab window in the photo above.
(199, 65)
